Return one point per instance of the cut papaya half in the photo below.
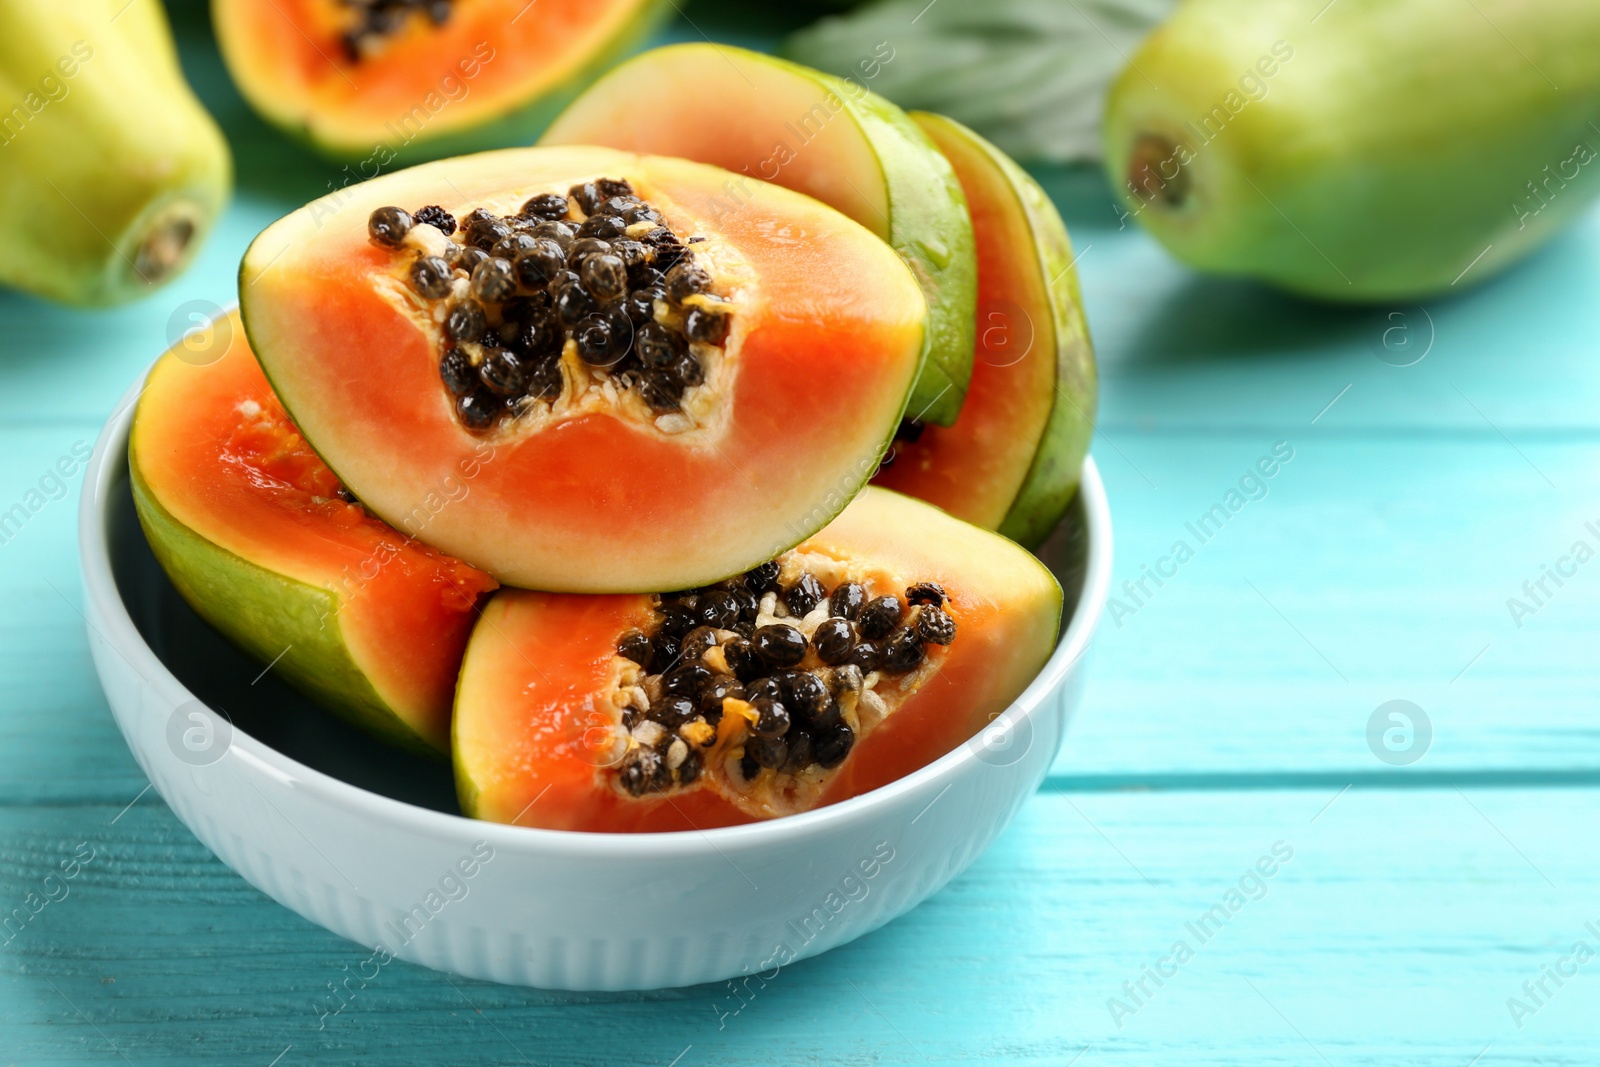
(261, 539)
(1011, 461)
(768, 119)
(380, 81)
(882, 643)
(673, 393)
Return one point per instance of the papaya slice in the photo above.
(673, 394)
(771, 120)
(876, 646)
(260, 538)
(383, 81)
(1011, 461)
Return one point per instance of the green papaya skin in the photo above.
(924, 216)
(267, 614)
(1361, 151)
(111, 173)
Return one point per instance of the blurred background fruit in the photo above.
(1377, 150)
(380, 80)
(111, 173)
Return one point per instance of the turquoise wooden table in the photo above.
(1433, 896)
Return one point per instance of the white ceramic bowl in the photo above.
(364, 840)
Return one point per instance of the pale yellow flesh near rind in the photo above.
(111, 175)
(767, 118)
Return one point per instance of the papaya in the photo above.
(770, 120)
(387, 80)
(674, 392)
(111, 173)
(261, 539)
(1370, 151)
(878, 645)
(1011, 461)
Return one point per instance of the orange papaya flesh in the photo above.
(259, 536)
(594, 490)
(491, 72)
(559, 724)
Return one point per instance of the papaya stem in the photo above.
(166, 244)
(1155, 175)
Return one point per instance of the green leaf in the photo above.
(1030, 75)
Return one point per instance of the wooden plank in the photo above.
(1374, 569)
(1394, 932)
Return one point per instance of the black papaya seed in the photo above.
(806, 694)
(477, 411)
(780, 645)
(388, 226)
(457, 372)
(804, 595)
(672, 711)
(926, 593)
(902, 651)
(503, 372)
(935, 626)
(597, 341)
(831, 746)
(635, 645)
(663, 394)
(562, 233)
(832, 641)
(800, 757)
(492, 281)
(437, 217)
(657, 346)
(772, 718)
(697, 642)
(587, 196)
(605, 277)
(706, 326)
(766, 751)
(763, 577)
(881, 615)
(430, 278)
(546, 206)
(685, 280)
(466, 322)
(718, 608)
(604, 227)
(742, 659)
(867, 656)
(539, 263)
(847, 600)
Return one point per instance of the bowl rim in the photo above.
(123, 638)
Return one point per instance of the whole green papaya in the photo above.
(111, 173)
(1360, 150)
